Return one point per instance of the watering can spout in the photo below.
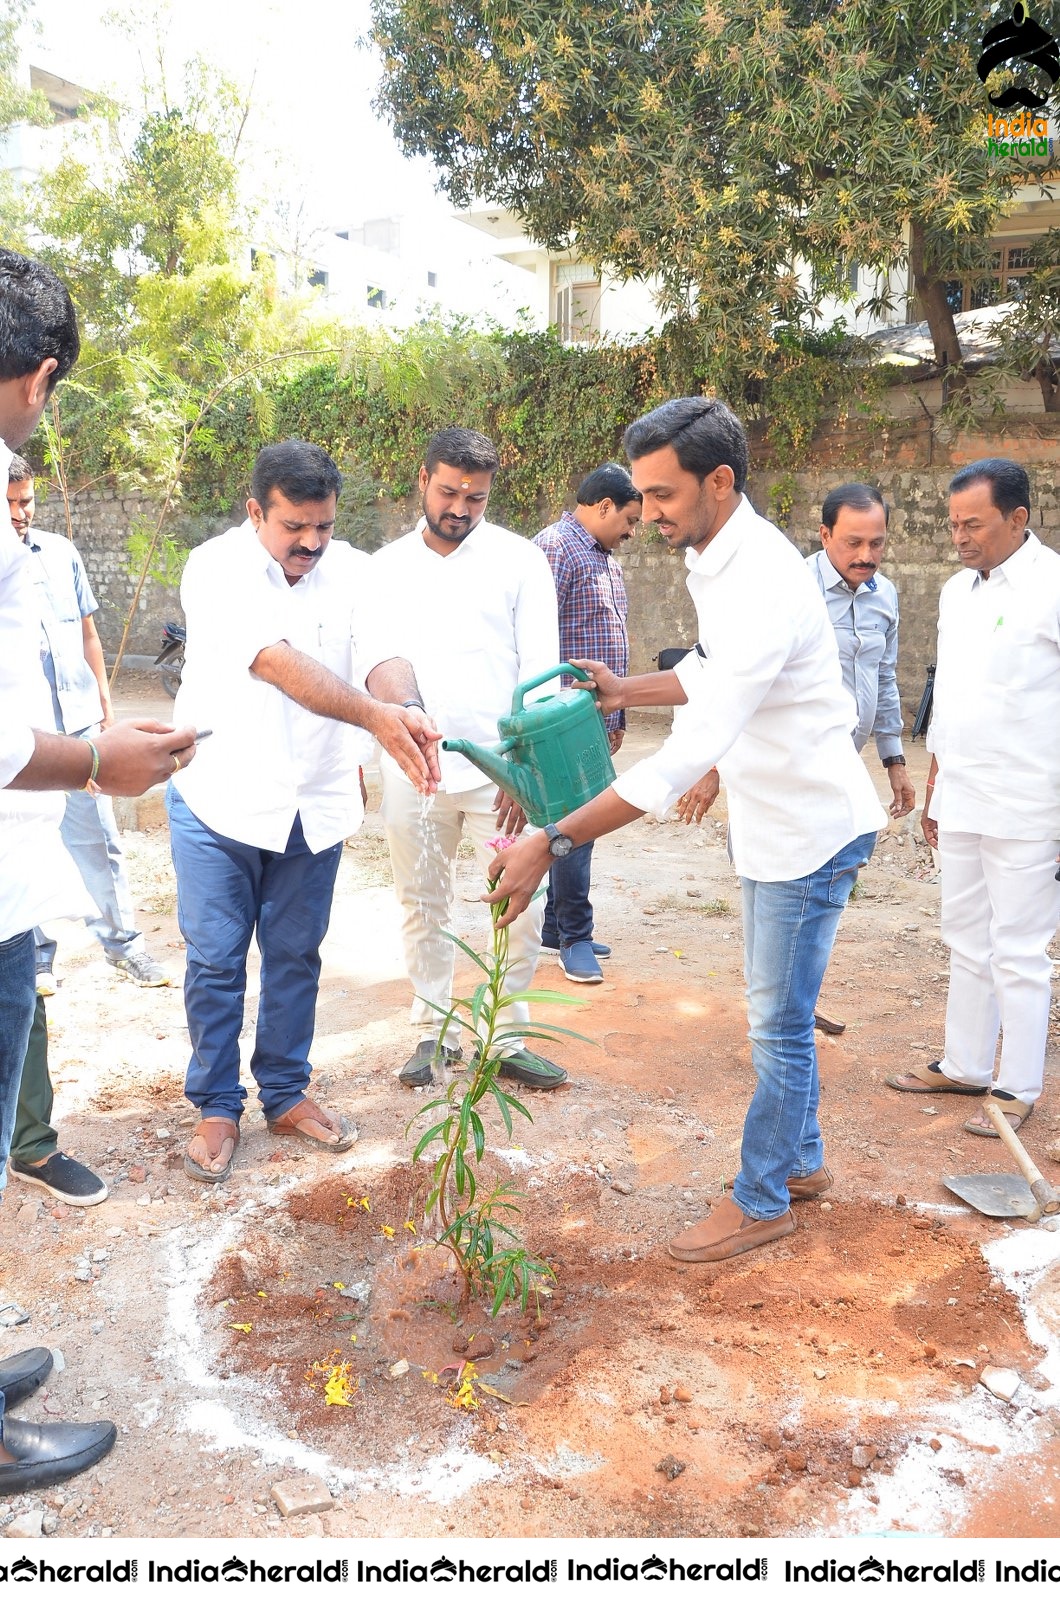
(553, 755)
(495, 763)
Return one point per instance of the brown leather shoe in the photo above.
(828, 1024)
(812, 1186)
(728, 1232)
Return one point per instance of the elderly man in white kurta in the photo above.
(993, 794)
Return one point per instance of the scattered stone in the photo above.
(480, 1345)
(82, 1272)
(935, 1444)
(162, 1134)
(665, 1396)
(460, 1344)
(13, 1316)
(49, 1523)
(398, 1370)
(29, 1525)
(621, 1186)
(1001, 1381)
(144, 1200)
(137, 1174)
(682, 1395)
(670, 1467)
(820, 1374)
(58, 1361)
(296, 1497)
(28, 1213)
(854, 1478)
(795, 1460)
(863, 1455)
(770, 1440)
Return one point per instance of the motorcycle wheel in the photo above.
(171, 671)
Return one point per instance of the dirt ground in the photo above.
(828, 1384)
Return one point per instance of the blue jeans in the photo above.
(568, 911)
(18, 1001)
(227, 892)
(90, 834)
(789, 930)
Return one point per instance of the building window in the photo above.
(852, 277)
(343, 233)
(432, 280)
(318, 278)
(575, 301)
(376, 298)
(1003, 280)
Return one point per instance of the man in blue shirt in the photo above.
(72, 659)
(863, 610)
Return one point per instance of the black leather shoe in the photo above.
(418, 1071)
(49, 1452)
(23, 1374)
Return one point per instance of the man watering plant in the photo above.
(764, 703)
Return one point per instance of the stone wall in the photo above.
(910, 466)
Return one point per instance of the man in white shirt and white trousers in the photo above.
(762, 699)
(993, 795)
(473, 607)
(274, 613)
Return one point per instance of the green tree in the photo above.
(714, 147)
(17, 104)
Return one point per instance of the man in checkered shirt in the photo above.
(592, 625)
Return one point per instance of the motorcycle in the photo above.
(171, 656)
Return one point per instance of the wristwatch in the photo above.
(894, 761)
(558, 843)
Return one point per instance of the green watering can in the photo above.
(554, 754)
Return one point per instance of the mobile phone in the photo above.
(203, 733)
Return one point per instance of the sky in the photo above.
(313, 88)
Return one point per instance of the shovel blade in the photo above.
(996, 1194)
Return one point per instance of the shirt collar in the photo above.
(577, 530)
(708, 562)
(1019, 568)
(835, 580)
(470, 541)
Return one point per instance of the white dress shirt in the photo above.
(269, 758)
(995, 730)
(865, 623)
(766, 706)
(38, 879)
(474, 623)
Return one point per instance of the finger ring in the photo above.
(176, 763)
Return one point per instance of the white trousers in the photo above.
(1000, 906)
(423, 839)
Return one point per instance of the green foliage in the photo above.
(711, 148)
(1032, 329)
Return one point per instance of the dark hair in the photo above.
(704, 434)
(855, 497)
(37, 319)
(609, 482)
(19, 470)
(461, 447)
(299, 470)
(1010, 486)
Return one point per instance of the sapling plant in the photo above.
(479, 1225)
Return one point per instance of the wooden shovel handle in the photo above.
(1043, 1192)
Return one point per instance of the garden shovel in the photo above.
(1003, 1194)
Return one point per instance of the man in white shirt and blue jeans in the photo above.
(274, 614)
(993, 795)
(762, 699)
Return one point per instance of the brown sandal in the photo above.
(215, 1142)
(1009, 1107)
(929, 1079)
(304, 1114)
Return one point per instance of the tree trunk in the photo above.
(1049, 382)
(931, 298)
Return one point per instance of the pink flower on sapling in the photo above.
(502, 841)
